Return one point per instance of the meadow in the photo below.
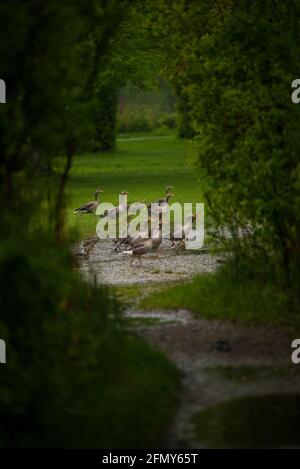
(143, 166)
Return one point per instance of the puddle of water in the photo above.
(269, 421)
(160, 316)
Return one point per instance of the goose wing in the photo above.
(142, 248)
(86, 208)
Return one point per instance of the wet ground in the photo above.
(221, 361)
(231, 372)
(270, 421)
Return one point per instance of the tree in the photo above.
(51, 68)
(64, 338)
(234, 62)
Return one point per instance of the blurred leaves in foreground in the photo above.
(73, 377)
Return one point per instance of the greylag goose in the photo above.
(116, 211)
(90, 207)
(163, 201)
(130, 241)
(147, 245)
(89, 244)
(145, 234)
(168, 195)
(181, 235)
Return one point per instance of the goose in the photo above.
(138, 205)
(145, 234)
(116, 211)
(168, 195)
(181, 236)
(89, 244)
(139, 249)
(163, 201)
(130, 241)
(90, 207)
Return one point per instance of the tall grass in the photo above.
(224, 295)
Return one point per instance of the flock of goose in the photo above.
(146, 242)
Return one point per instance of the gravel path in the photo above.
(112, 268)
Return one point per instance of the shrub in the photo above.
(236, 97)
(73, 377)
(137, 118)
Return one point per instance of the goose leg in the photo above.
(116, 248)
(180, 246)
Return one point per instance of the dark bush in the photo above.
(73, 377)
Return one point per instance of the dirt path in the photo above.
(256, 361)
(218, 360)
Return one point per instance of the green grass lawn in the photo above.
(143, 166)
(222, 296)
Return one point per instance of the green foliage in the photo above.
(136, 54)
(147, 111)
(106, 121)
(104, 135)
(73, 377)
(138, 119)
(234, 63)
(52, 68)
(185, 129)
(69, 364)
